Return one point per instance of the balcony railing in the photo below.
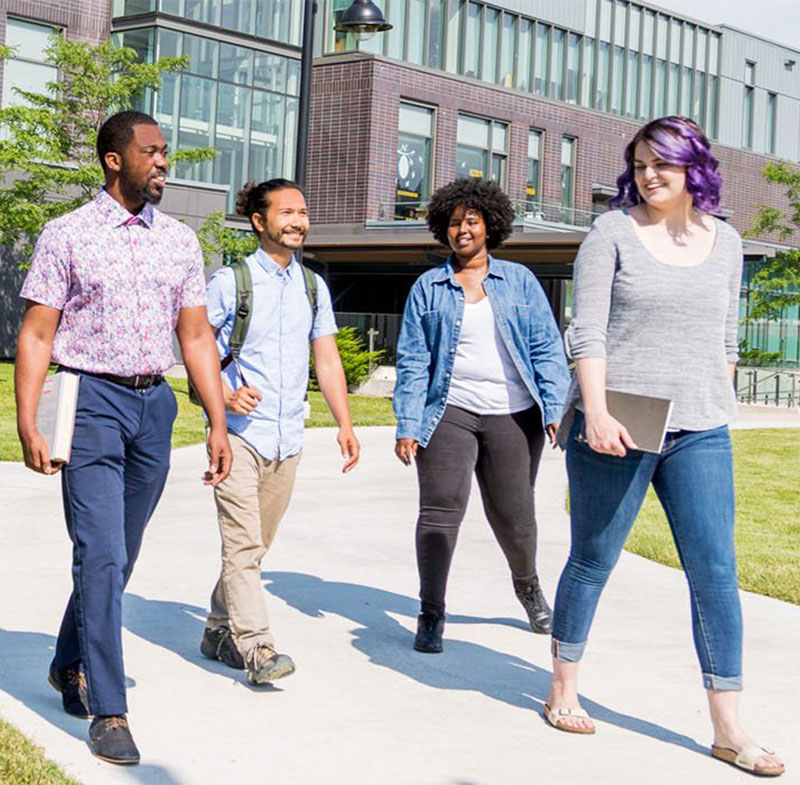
(776, 387)
(528, 211)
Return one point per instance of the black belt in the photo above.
(138, 382)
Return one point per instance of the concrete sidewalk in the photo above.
(363, 707)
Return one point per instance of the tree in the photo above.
(216, 239)
(48, 163)
(776, 285)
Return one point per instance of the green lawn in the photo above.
(767, 463)
(189, 427)
(23, 763)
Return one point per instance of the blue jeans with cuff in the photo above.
(693, 478)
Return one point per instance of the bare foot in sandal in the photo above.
(732, 744)
(563, 709)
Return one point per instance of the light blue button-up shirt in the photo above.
(274, 357)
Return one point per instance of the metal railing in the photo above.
(529, 211)
(378, 331)
(768, 386)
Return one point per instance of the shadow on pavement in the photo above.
(462, 665)
(24, 663)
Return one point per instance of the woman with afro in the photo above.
(481, 377)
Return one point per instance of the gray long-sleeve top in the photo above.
(665, 331)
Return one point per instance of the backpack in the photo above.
(244, 300)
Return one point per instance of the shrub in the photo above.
(356, 360)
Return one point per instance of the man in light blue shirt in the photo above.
(264, 392)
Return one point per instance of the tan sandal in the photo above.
(748, 759)
(556, 718)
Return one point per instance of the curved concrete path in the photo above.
(363, 708)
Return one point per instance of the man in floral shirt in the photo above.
(108, 284)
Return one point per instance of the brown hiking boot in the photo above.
(218, 644)
(264, 664)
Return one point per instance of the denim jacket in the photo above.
(426, 349)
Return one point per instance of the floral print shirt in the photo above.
(119, 281)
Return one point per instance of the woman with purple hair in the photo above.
(655, 313)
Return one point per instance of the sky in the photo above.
(778, 20)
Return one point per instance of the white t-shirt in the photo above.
(485, 380)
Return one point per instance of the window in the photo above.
(587, 72)
(472, 44)
(646, 96)
(568, 145)
(491, 31)
(524, 58)
(27, 70)
(454, 36)
(557, 64)
(541, 58)
(240, 101)
(416, 26)
(533, 187)
(507, 50)
(772, 108)
(747, 136)
(601, 89)
(573, 59)
(130, 7)
(414, 146)
(436, 22)
(632, 90)
(750, 73)
(395, 38)
(482, 149)
(619, 73)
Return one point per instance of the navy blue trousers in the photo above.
(117, 471)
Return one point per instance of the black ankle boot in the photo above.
(539, 614)
(429, 633)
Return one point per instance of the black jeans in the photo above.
(504, 451)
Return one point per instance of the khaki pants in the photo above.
(250, 504)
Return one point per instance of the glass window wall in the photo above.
(130, 7)
(240, 101)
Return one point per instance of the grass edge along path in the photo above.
(24, 763)
(189, 426)
(766, 463)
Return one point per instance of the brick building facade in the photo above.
(353, 148)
